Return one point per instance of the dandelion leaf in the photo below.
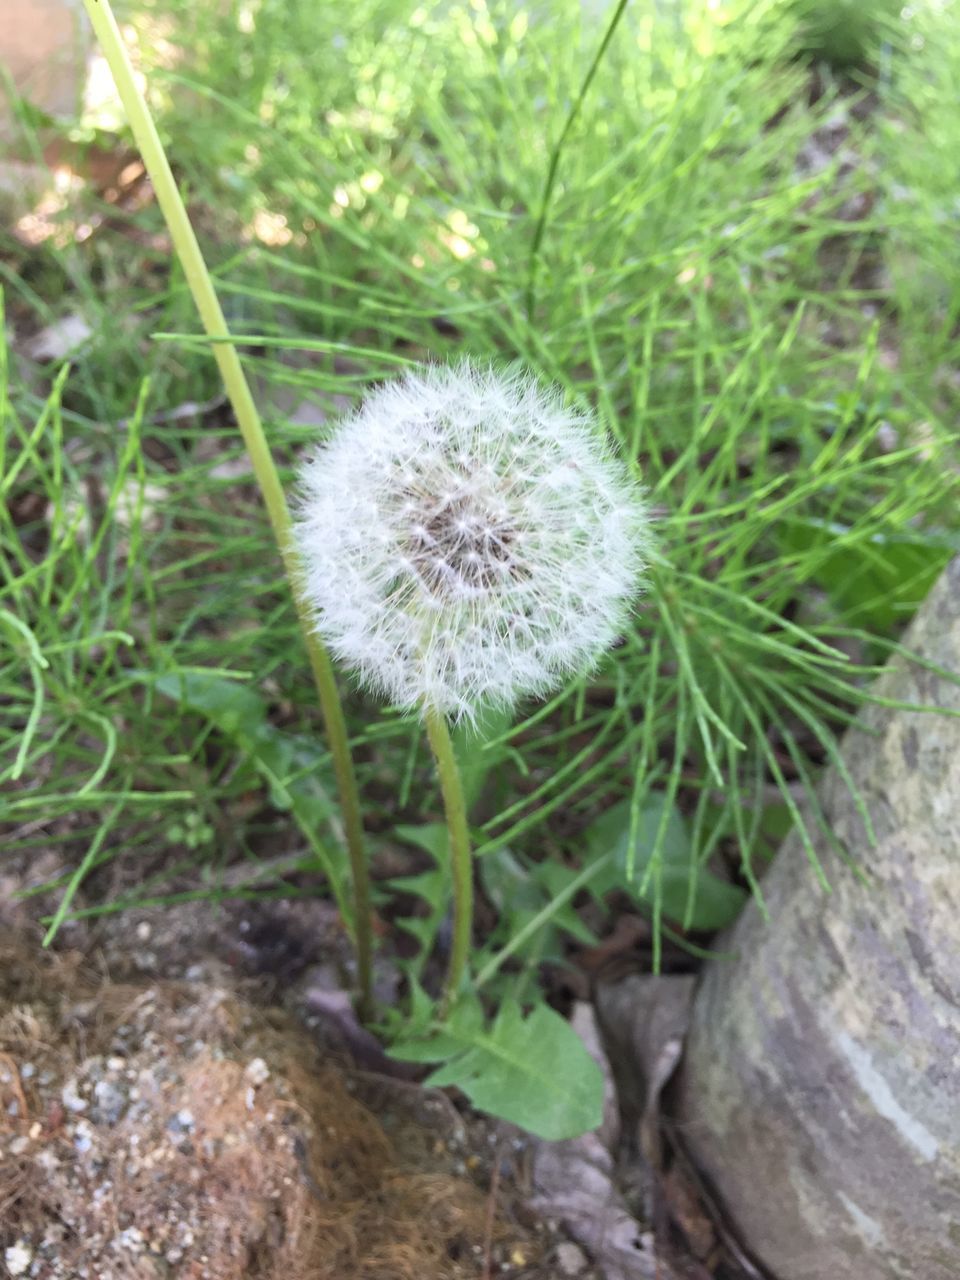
(532, 1070)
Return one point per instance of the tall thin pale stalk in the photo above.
(460, 859)
(201, 286)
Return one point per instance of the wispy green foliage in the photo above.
(758, 294)
(918, 149)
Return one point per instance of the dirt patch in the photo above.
(176, 1129)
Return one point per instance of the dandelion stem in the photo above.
(201, 286)
(460, 860)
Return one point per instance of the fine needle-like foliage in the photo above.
(747, 273)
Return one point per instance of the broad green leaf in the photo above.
(875, 582)
(533, 1071)
(715, 902)
(612, 829)
(296, 768)
(508, 883)
(233, 707)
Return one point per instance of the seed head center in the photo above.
(459, 543)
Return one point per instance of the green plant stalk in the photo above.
(238, 390)
(556, 153)
(461, 864)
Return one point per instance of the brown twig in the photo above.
(16, 1084)
(491, 1215)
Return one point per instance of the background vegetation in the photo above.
(746, 265)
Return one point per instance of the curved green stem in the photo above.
(461, 864)
(238, 390)
(556, 153)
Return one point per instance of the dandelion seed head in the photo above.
(466, 538)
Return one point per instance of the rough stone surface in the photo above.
(821, 1087)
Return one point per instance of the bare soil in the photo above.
(162, 1128)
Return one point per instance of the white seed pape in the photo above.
(468, 539)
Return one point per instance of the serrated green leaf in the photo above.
(533, 1071)
(430, 836)
(442, 1042)
(432, 886)
(420, 1010)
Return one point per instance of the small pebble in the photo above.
(887, 437)
(111, 1102)
(71, 1098)
(570, 1259)
(131, 1238)
(257, 1072)
(182, 1122)
(18, 1258)
(82, 1137)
